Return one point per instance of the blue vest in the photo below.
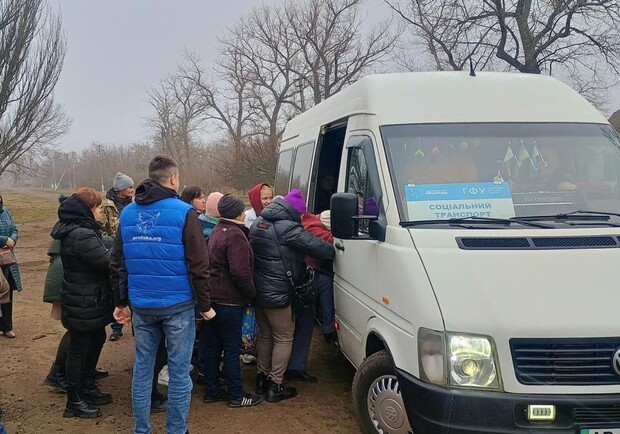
(155, 254)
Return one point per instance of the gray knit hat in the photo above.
(230, 206)
(121, 182)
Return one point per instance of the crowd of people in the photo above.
(179, 271)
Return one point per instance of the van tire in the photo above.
(377, 401)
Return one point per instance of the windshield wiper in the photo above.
(574, 215)
(467, 222)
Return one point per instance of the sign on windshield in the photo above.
(459, 200)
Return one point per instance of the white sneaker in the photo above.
(163, 377)
(247, 359)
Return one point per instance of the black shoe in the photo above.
(101, 373)
(116, 335)
(247, 400)
(93, 395)
(200, 378)
(158, 403)
(56, 379)
(78, 407)
(331, 338)
(211, 400)
(300, 376)
(261, 383)
(279, 392)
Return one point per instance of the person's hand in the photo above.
(208, 315)
(122, 315)
(10, 243)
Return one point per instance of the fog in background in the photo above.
(117, 49)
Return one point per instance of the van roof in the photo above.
(452, 97)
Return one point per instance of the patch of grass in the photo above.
(27, 209)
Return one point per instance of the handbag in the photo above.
(7, 258)
(304, 294)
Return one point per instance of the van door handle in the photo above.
(339, 246)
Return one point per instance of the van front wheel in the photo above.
(377, 400)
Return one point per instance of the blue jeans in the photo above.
(324, 287)
(223, 333)
(304, 325)
(179, 331)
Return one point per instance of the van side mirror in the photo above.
(343, 209)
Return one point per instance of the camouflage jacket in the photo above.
(109, 218)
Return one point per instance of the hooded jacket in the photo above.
(255, 203)
(313, 224)
(86, 293)
(160, 262)
(281, 223)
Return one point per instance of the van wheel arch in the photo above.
(376, 343)
(377, 400)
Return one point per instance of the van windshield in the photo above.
(504, 170)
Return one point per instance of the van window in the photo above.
(360, 177)
(301, 170)
(284, 172)
(503, 170)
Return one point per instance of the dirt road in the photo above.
(29, 407)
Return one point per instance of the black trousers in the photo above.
(82, 358)
(6, 320)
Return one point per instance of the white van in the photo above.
(477, 225)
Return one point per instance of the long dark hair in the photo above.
(192, 192)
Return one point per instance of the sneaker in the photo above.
(247, 400)
(247, 359)
(200, 378)
(116, 335)
(211, 400)
(162, 378)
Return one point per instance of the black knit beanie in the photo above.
(230, 206)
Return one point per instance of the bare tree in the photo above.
(556, 37)
(178, 118)
(32, 50)
(226, 104)
(263, 44)
(336, 51)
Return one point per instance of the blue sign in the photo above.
(459, 200)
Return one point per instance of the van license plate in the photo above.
(600, 431)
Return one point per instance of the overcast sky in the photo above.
(117, 49)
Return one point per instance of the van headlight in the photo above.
(472, 361)
(458, 360)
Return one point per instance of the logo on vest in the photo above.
(146, 222)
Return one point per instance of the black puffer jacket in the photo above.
(86, 291)
(273, 288)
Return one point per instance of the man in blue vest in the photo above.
(160, 267)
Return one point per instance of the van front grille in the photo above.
(597, 414)
(575, 361)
